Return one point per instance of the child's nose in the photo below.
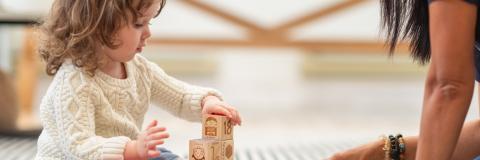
(146, 33)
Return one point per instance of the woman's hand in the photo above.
(370, 151)
(213, 105)
(147, 141)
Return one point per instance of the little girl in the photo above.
(96, 103)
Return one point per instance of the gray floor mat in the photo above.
(24, 148)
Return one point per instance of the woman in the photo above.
(444, 33)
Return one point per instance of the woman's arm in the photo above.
(448, 90)
(467, 147)
(450, 80)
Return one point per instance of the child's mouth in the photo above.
(140, 48)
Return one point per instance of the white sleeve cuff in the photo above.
(192, 109)
(114, 147)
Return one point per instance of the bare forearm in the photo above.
(469, 141)
(374, 151)
(450, 79)
(467, 147)
(442, 121)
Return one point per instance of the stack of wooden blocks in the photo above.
(216, 142)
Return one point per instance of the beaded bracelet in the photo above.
(394, 147)
(401, 144)
(394, 153)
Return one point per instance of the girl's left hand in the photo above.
(213, 105)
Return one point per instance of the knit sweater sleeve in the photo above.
(179, 98)
(73, 128)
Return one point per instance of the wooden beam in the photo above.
(225, 15)
(360, 47)
(277, 37)
(258, 33)
(316, 15)
(320, 45)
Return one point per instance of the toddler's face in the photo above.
(132, 37)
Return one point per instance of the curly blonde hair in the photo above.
(74, 28)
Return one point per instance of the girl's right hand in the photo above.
(147, 141)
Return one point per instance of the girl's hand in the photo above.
(213, 105)
(147, 141)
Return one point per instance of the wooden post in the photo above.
(8, 104)
(27, 73)
(26, 83)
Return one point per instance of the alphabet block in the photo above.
(210, 149)
(217, 127)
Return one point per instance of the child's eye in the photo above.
(138, 25)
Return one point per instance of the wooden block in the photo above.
(217, 127)
(210, 149)
(228, 150)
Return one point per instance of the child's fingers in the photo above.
(154, 143)
(158, 136)
(155, 130)
(153, 154)
(236, 116)
(238, 119)
(151, 147)
(152, 124)
(222, 111)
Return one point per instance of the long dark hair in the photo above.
(407, 20)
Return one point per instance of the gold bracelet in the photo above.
(386, 147)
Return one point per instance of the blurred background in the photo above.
(310, 77)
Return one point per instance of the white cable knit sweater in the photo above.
(90, 118)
